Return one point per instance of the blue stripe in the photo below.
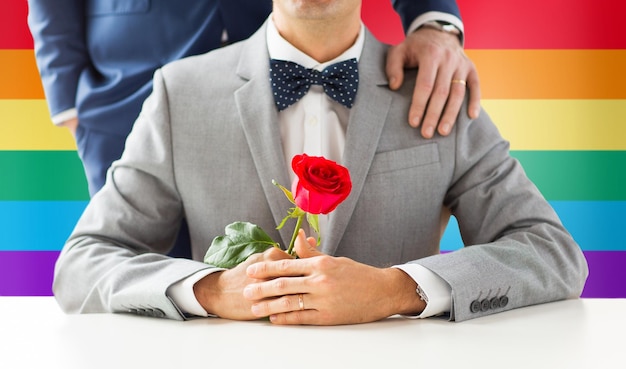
(595, 225)
(45, 225)
(37, 225)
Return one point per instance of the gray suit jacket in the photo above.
(206, 147)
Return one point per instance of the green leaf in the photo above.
(282, 222)
(293, 213)
(314, 223)
(242, 239)
(285, 191)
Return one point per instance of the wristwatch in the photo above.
(443, 27)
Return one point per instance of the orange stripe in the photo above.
(504, 74)
(19, 77)
(551, 74)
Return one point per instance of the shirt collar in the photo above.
(280, 49)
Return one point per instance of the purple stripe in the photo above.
(29, 273)
(607, 274)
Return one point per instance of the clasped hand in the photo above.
(314, 289)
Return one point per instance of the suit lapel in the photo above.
(367, 119)
(260, 123)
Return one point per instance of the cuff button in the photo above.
(494, 303)
(504, 301)
(475, 306)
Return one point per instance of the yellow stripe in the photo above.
(560, 124)
(528, 124)
(26, 125)
(551, 74)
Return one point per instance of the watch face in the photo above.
(450, 28)
(443, 26)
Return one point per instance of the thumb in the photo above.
(394, 66)
(305, 247)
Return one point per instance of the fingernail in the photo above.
(256, 310)
(251, 270)
(445, 129)
(415, 121)
(428, 132)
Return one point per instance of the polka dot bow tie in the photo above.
(291, 81)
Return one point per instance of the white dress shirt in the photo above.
(316, 125)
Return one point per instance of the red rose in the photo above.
(321, 185)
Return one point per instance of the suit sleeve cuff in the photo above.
(64, 116)
(434, 290)
(182, 294)
(438, 16)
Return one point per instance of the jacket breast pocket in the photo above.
(110, 7)
(391, 161)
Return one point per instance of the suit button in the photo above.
(495, 303)
(484, 305)
(504, 301)
(475, 306)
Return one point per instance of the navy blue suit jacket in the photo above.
(99, 56)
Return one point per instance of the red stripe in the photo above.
(544, 24)
(510, 24)
(522, 24)
(382, 20)
(14, 32)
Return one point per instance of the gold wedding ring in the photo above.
(459, 81)
(301, 302)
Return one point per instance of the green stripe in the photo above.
(42, 175)
(560, 175)
(577, 175)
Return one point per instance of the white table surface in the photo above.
(587, 333)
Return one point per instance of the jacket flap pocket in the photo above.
(104, 7)
(390, 161)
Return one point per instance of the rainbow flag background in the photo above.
(553, 78)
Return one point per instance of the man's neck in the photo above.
(323, 41)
